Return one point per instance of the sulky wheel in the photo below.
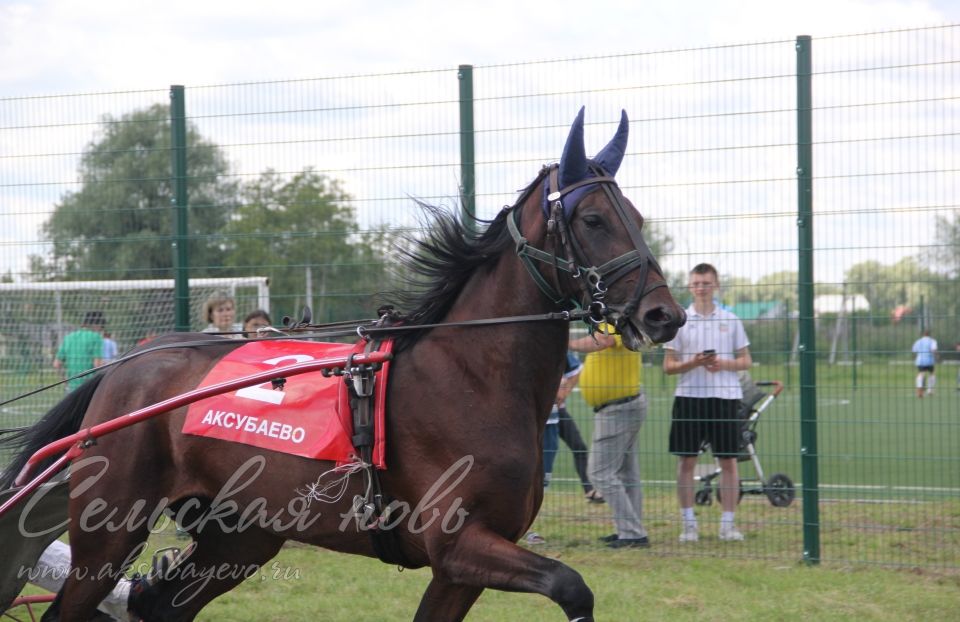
(703, 497)
(779, 490)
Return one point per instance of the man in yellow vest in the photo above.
(611, 384)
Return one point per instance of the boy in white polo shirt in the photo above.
(708, 352)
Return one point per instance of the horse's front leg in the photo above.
(446, 601)
(481, 559)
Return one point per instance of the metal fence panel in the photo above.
(307, 182)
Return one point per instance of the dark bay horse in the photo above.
(466, 408)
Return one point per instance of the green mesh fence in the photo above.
(297, 190)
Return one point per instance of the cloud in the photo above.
(57, 46)
(684, 152)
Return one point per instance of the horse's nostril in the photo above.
(656, 316)
(662, 316)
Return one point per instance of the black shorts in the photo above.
(923, 368)
(697, 420)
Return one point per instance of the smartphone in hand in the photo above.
(709, 352)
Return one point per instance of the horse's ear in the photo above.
(573, 162)
(611, 156)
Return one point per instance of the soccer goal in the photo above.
(34, 317)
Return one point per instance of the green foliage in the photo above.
(736, 289)
(779, 286)
(886, 286)
(118, 224)
(658, 240)
(946, 253)
(303, 228)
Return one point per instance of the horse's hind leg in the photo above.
(220, 562)
(481, 559)
(97, 563)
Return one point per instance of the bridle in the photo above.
(569, 256)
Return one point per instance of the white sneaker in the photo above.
(730, 534)
(689, 533)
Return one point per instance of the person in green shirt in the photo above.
(81, 350)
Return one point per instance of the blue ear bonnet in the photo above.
(575, 166)
(571, 199)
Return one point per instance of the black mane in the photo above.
(437, 266)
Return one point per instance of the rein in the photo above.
(364, 329)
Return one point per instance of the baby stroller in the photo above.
(778, 488)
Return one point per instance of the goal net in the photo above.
(35, 317)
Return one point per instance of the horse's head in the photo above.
(596, 238)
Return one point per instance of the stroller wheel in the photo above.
(779, 490)
(703, 497)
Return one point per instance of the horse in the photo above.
(466, 407)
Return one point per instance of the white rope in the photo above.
(334, 490)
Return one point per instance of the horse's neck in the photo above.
(508, 291)
(509, 372)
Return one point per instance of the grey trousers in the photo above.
(614, 466)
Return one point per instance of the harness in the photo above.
(371, 510)
(568, 254)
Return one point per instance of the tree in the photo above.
(658, 240)
(118, 224)
(781, 286)
(302, 233)
(945, 257)
(887, 286)
(946, 254)
(736, 289)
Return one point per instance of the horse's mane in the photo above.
(436, 267)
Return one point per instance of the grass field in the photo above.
(889, 471)
(307, 583)
(872, 433)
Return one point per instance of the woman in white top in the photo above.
(220, 312)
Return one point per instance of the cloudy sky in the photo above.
(54, 47)
(65, 46)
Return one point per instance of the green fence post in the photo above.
(806, 328)
(468, 188)
(787, 344)
(178, 149)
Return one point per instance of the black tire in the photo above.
(779, 490)
(703, 497)
(739, 499)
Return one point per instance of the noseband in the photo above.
(568, 256)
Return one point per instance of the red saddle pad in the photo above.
(309, 417)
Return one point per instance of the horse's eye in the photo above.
(592, 221)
